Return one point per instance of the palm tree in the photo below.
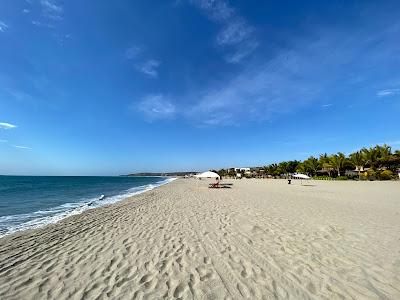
(272, 169)
(325, 164)
(292, 165)
(301, 168)
(358, 161)
(385, 152)
(323, 158)
(337, 161)
(312, 165)
(282, 168)
(371, 156)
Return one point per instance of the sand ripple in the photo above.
(259, 240)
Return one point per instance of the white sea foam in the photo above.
(13, 223)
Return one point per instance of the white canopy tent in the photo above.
(207, 174)
(301, 177)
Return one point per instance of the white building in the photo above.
(245, 170)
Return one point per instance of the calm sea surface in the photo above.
(34, 201)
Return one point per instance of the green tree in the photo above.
(338, 161)
(282, 168)
(358, 161)
(371, 156)
(272, 170)
(222, 172)
(311, 165)
(325, 164)
(300, 168)
(393, 162)
(292, 166)
(384, 155)
(232, 172)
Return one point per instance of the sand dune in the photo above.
(261, 239)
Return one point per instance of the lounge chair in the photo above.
(214, 185)
(218, 185)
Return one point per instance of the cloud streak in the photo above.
(216, 10)
(22, 147)
(156, 107)
(4, 125)
(234, 33)
(388, 92)
(41, 24)
(236, 37)
(133, 52)
(306, 71)
(3, 26)
(149, 68)
(296, 77)
(52, 9)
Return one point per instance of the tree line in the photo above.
(374, 163)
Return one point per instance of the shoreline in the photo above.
(184, 240)
(68, 219)
(54, 219)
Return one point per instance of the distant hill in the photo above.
(163, 174)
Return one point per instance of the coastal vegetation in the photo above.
(374, 163)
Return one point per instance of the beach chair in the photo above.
(214, 185)
(218, 185)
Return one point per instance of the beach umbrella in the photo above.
(207, 174)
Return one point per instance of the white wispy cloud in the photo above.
(133, 52)
(62, 38)
(241, 51)
(52, 9)
(234, 33)
(42, 24)
(3, 26)
(149, 67)
(3, 141)
(155, 107)
(4, 125)
(236, 36)
(143, 64)
(22, 147)
(296, 77)
(388, 92)
(216, 10)
(26, 11)
(259, 93)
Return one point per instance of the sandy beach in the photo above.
(260, 239)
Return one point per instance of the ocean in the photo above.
(33, 201)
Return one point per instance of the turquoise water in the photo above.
(34, 201)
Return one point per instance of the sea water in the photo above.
(33, 201)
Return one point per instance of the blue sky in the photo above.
(106, 88)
